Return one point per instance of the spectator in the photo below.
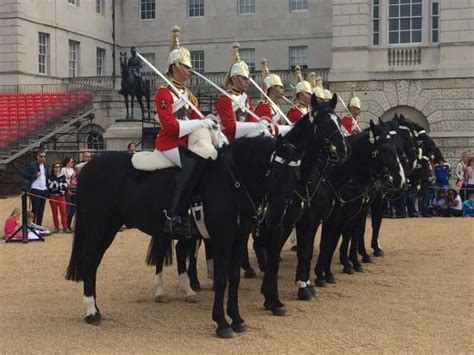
(86, 157)
(439, 205)
(131, 148)
(12, 223)
(44, 232)
(67, 170)
(73, 197)
(468, 205)
(461, 174)
(426, 188)
(470, 176)
(406, 203)
(36, 174)
(57, 187)
(442, 172)
(454, 204)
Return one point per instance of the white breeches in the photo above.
(173, 156)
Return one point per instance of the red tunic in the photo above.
(346, 122)
(264, 109)
(295, 113)
(230, 115)
(168, 137)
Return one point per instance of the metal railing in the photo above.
(26, 115)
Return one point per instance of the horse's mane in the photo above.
(253, 151)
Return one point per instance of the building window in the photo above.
(43, 43)
(95, 141)
(246, 7)
(435, 21)
(404, 21)
(248, 56)
(151, 58)
(298, 5)
(375, 22)
(100, 61)
(298, 56)
(73, 58)
(73, 2)
(100, 6)
(195, 8)
(197, 61)
(147, 9)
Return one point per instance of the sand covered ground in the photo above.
(418, 297)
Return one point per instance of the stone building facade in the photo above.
(404, 56)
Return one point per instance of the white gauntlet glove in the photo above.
(208, 123)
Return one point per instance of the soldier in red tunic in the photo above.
(177, 121)
(302, 97)
(234, 113)
(273, 87)
(354, 107)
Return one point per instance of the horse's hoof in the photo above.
(320, 282)
(93, 319)
(250, 274)
(358, 268)
(348, 270)
(279, 310)
(312, 289)
(378, 252)
(196, 286)
(330, 279)
(304, 294)
(239, 328)
(225, 333)
(161, 299)
(191, 299)
(367, 259)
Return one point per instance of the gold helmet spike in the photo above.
(318, 89)
(298, 75)
(175, 34)
(235, 53)
(269, 80)
(265, 71)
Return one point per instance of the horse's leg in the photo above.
(221, 248)
(344, 251)
(359, 229)
(329, 238)
(183, 248)
(192, 266)
(361, 240)
(125, 96)
(270, 279)
(260, 252)
(249, 272)
(309, 254)
(131, 105)
(376, 215)
(140, 102)
(163, 246)
(303, 233)
(336, 232)
(238, 324)
(209, 258)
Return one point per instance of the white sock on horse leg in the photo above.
(308, 282)
(160, 289)
(300, 284)
(185, 285)
(89, 304)
(210, 269)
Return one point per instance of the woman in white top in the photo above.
(461, 174)
(68, 168)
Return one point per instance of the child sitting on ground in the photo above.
(454, 204)
(468, 205)
(12, 223)
(439, 205)
(41, 231)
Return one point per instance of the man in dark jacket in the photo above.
(36, 174)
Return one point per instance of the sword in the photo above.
(222, 91)
(350, 114)
(275, 107)
(167, 81)
(292, 103)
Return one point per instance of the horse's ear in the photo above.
(380, 121)
(333, 101)
(372, 133)
(395, 117)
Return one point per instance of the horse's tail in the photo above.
(74, 272)
(154, 253)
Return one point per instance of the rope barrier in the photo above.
(46, 198)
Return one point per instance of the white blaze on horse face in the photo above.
(185, 285)
(160, 289)
(89, 304)
(401, 172)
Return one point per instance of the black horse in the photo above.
(135, 88)
(327, 145)
(426, 150)
(112, 193)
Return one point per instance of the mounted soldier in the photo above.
(178, 119)
(234, 111)
(349, 122)
(135, 66)
(302, 97)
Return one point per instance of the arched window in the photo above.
(95, 141)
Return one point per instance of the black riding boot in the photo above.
(178, 221)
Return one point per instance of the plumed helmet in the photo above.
(354, 101)
(327, 94)
(178, 54)
(269, 80)
(301, 85)
(239, 67)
